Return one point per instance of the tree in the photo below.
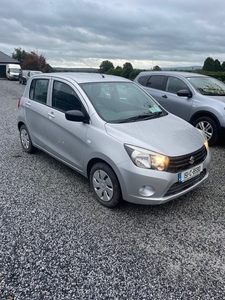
(33, 61)
(115, 71)
(105, 66)
(127, 69)
(209, 64)
(217, 65)
(19, 54)
(223, 66)
(156, 68)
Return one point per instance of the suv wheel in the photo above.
(105, 185)
(209, 127)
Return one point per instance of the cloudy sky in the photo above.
(146, 33)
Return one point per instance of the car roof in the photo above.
(81, 77)
(167, 73)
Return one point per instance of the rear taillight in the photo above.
(19, 100)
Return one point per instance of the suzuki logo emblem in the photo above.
(192, 160)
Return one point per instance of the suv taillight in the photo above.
(19, 100)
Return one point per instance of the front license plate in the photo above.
(186, 175)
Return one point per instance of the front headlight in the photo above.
(206, 141)
(146, 159)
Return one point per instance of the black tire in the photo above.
(209, 127)
(26, 140)
(105, 185)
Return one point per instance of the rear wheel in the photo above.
(26, 140)
(105, 185)
(209, 127)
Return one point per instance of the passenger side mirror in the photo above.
(184, 93)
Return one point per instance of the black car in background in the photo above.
(23, 76)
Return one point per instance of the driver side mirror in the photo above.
(184, 93)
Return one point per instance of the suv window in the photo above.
(156, 82)
(175, 84)
(38, 90)
(143, 80)
(64, 97)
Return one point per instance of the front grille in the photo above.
(182, 186)
(180, 163)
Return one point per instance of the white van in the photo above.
(12, 71)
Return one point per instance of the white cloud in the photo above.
(145, 33)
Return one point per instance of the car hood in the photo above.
(168, 135)
(220, 98)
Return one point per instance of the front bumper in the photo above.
(150, 187)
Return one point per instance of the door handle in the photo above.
(51, 115)
(27, 104)
(164, 96)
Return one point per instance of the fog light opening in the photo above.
(146, 191)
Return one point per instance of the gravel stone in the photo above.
(57, 242)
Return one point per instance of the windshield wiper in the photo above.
(141, 117)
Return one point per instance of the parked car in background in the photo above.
(114, 133)
(12, 71)
(196, 98)
(23, 76)
(30, 74)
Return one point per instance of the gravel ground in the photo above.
(57, 242)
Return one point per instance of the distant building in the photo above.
(4, 60)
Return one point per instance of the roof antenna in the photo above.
(89, 66)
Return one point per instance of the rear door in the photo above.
(36, 111)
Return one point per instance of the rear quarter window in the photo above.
(143, 80)
(156, 82)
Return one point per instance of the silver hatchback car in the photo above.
(195, 98)
(114, 133)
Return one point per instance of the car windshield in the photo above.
(208, 86)
(119, 102)
(14, 70)
(35, 72)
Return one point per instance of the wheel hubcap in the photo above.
(25, 138)
(207, 128)
(103, 185)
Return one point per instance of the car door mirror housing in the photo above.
(76, 116)
(184, 93)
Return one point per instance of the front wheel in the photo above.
(209, 127)
(26, 140)
(105, 185)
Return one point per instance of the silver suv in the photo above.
(195, 98)
(111, 131)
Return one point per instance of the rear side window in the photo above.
(39, 90)
(156, 82)
(64, 97)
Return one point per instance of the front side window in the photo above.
(64, 98)
(174, 85)
(39, 90)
